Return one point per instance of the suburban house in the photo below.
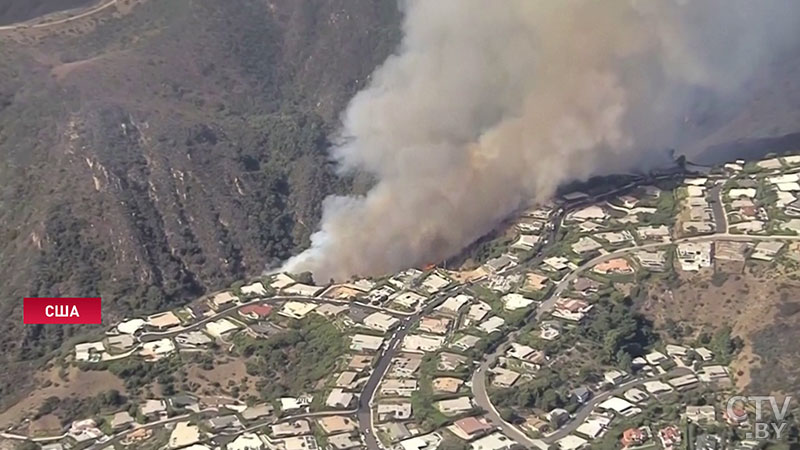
(222, 300)
(614, 266)
(380, 321)
(694, 256)
(394, 411)
(494, 441)
(365, 342)
(256, 311)
(453, 406)
(398, 387)
(470, 428)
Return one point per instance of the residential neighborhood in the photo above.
(537, 345)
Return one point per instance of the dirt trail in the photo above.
(40, 23)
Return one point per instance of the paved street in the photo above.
(392, 346)
(479, 378)
(718, 209)
(364, 413)
(481, 394)
(587, 408)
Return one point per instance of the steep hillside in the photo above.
(13, 11)
(158, 149)
(162, 148)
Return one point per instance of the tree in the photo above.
(725, 345)
(549, 400)
(112, 397)
(304, 277)
(681, 161)
(617, 327)
(453, 444)
(624, 360)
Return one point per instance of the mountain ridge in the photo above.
(162, 149)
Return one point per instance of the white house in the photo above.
(592, 212)
(494, 441)
(256, 288)
(246, 441)
(380, 321)
(365, 342)
(512, 302)
(491, 324)
(694, 256)
(220, 327)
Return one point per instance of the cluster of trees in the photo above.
(541, 393)
(423, 398)
(616, 329)
(723, 343)
(665, 211)
(72, 408)
(70, 258)
(620, 331)
(292, 362)
(677, 330)
(488, 247)
(137, 373)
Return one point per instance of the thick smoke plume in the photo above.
(488, 105)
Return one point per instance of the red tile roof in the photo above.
(258, 310)
(471, 425)
(632, 436)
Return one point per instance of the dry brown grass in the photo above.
(750, 301)
(217, 380)
(49, 383)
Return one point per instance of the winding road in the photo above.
(480, 375)
(479, 378)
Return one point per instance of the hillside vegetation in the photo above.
(165, 148)
(13, 11)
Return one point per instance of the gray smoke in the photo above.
(487, 106)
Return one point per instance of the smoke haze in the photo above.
(487, 106)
